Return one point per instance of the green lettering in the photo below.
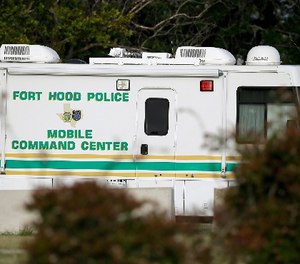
(52, 96)
(125, 97)
(15, 94)
(38, 95)
(68, 96)
(70, 133)
(32, 145)
(100, 145)
(71, 145)
(24, 95)
(84, 145)
(43, 145)
(52, 133)
(53, 145)
(62, 133)
(31, 96)
(106, 99)
(23, 144)
(90, 96)
(14, 144)
(92, 145)
(62, 145)
(77, 96)
(118, 97)
(116, 145)
(88, 133)
(108, 145)
(124, 146)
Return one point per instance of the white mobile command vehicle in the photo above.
(138, 120)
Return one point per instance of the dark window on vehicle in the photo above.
(262, 111)
(156, 116)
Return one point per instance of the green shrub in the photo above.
(259, 222)
(88, 223)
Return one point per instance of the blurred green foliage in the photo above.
(259, 221)
(88, 223)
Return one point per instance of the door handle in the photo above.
(144, 149)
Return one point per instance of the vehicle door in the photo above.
(155, 132)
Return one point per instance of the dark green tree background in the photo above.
(74, 28)
(84, 28)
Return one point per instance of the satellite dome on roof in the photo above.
(206, 55)
(263, 55)
(27, 53)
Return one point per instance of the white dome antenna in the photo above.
(263, 55)
(27, 53)
(205, 55)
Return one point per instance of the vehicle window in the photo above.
(156, 116)
(262, 111)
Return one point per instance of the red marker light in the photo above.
(206, 86)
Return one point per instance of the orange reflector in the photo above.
(206, 86)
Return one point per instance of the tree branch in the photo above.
(139, 6)
(159, 26)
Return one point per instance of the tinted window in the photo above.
(156, 116)
(263, 110)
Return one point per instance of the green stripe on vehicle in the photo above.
(115, 165)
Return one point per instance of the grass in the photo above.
(11, 251)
